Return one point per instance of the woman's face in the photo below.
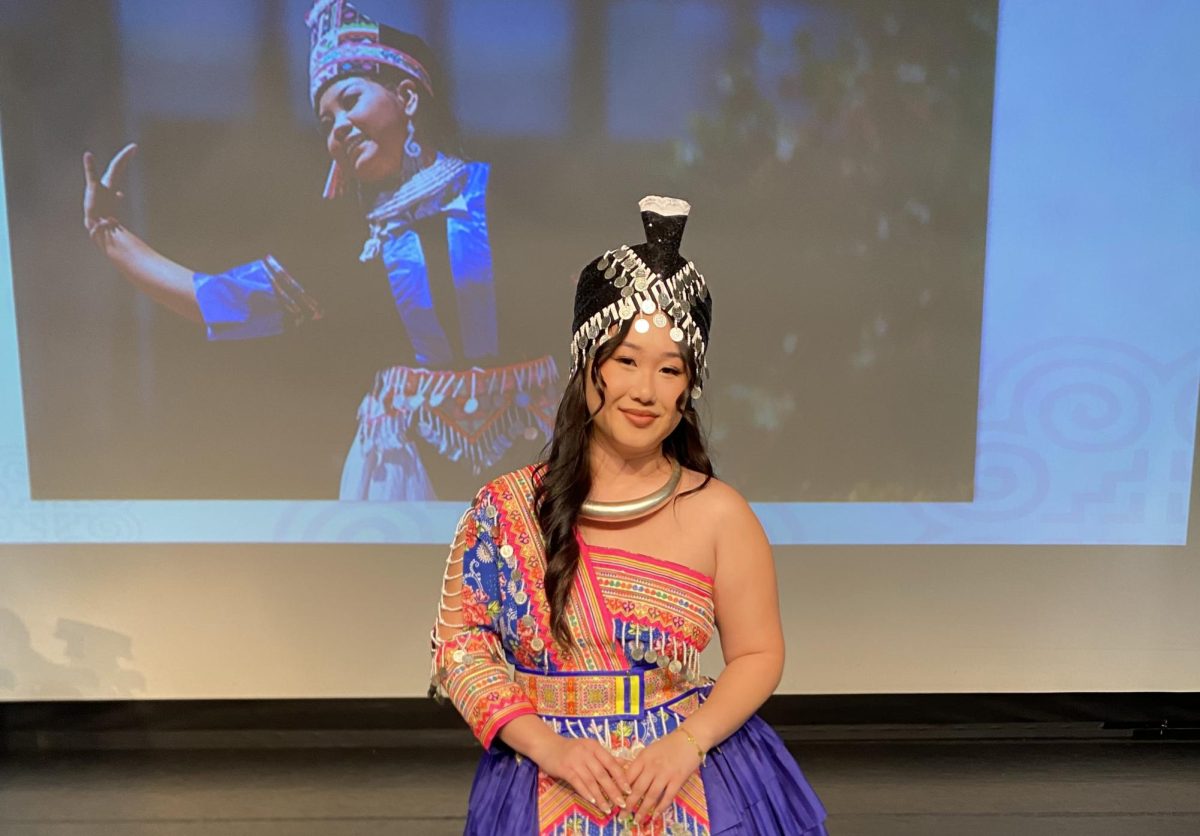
(644, 380)
(366, 125)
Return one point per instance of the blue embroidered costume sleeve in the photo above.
(259, 299)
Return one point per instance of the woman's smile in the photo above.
(639, 418)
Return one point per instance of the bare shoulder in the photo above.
(720, 505)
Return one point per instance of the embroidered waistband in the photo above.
(618, 694)
(474, 414)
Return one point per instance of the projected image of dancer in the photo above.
(392, 143)
(602, 573)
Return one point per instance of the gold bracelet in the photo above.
(703, 755)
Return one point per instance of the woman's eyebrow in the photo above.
(340, 87)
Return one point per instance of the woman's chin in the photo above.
(632, 442)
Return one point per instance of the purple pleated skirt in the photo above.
(753, 785)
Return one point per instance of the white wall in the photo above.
(319, 621)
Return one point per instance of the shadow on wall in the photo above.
(92, 668)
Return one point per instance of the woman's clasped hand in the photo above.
(644, 785)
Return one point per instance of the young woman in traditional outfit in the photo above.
(600, 574)
(392, 143)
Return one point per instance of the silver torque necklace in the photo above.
(632, 508)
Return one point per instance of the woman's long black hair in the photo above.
(566, 478)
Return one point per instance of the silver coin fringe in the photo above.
(644, 291)
(656, 647)
(386, 420)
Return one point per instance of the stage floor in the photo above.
(893, 788)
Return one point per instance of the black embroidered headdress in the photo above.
(650, 283)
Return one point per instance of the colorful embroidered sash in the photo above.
(621, 694)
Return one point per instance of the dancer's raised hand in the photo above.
(103, 194)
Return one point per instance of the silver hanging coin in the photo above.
(610, 272)
(521, 598)
(636, 653)
(648, 306)
(696, 393)
(621, 280)
(677, 334)
(506, 550)
(675, 667)
(651, 655)
(641, 284)
(660, 320)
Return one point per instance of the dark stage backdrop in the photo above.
(836, 157)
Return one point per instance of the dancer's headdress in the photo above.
(650, 279)
(344, 42)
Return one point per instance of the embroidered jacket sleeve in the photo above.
(469, 664)
(258, 299)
